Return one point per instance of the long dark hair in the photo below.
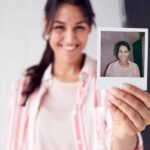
(36, 72)
(118, 45)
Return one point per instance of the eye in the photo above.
(59, 28)
(80, 28)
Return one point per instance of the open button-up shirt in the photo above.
(90, 118)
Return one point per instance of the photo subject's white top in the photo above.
(54, 129)
(116, 70)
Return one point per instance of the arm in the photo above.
(114, 143)
(11, 117)
(133, 143)
(124, 144)
(17, 117)
(137, 71)
(108, 71)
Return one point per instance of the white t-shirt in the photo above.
(116, 70)
(54, 130)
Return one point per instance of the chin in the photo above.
(71, 60)
(123, 60)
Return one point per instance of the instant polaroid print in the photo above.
(122, 57)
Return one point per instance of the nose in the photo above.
(69, 36)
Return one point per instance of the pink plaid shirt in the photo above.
(92, 125)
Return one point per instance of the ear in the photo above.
(44, 24)
(90, 28)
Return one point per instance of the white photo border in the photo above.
(107, 82)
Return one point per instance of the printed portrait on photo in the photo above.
(122, 56)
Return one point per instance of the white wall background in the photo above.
(21, 43)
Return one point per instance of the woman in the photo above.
(55, 104)
(122, 67)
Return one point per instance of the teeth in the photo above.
(70, 48)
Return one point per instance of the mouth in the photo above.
(70, 48)
(123, 57)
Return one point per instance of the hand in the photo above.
(130, 107)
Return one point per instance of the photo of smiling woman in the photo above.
(122, 67)
(55, 104)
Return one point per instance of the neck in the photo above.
(67, 72)
(124, 63)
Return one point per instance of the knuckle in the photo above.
(120, 102)
(147, 99)
(147, 121)
(133, 114)
(137, 104)
(124, 95)
(146, 115)
(130, 87)
(114, 109)
(141, 127)
(124, 117)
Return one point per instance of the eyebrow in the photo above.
(60, 22)
(81, 22)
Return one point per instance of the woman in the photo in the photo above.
(122, 67)
(55, 104)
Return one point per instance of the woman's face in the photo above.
(123, 53)
(69, 33)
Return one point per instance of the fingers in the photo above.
(132, 101)
(142, 95)
(121, 119)
(127, 113)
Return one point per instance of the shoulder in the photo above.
(23, 80)
(90, 60)
(18, 86)
(133, 64)
(114, 63)
(90, 64)
(88, 70)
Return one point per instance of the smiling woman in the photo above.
(122, 67)
(55, 104)
(68, 35)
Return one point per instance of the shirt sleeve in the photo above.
(11, 117)
(136, 70)
(140, 145)
(16, 117)
(108, 71)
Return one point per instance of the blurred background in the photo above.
(21, 43)
(138, 14)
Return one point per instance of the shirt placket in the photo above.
(34, 111)
(77, 117)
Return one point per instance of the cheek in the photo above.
(127, 54)
(83, 38)
(54, 39)
(119, 54)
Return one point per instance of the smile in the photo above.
(70, 48)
